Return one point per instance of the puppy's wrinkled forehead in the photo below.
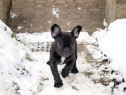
(66, 37)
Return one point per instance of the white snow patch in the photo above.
(54, 12)
(12, 15)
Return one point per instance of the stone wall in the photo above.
(39, 15)
(115, 9)
(5, 7)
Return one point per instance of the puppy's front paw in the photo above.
(75, 70)
(64, 74)
(58, 84)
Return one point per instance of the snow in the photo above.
(12, 15)
(113, 45)
(23, 72)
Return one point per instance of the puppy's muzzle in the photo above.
(66, 52)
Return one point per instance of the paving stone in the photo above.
(60, 1)
(27, 10)
(94, 9)
(40, 1)
(100, 1)
(39, 6)
(50, 4)
(37, 13)
(18, 6)
(37, 20)
(80, 1)
(91, 4)
(29, 5)
(30, 1)
(61, 6)
(17, 11)
(74, 16)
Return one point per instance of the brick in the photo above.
(94, 9)
(39, 11)
(81, 4)
(62, 20)
(26, 24)
(18, 6)
(86, 16)
(19, 2)
(72, 25)
(61, 6)
(49, 13)
(62, 17)
(91, 5)
(72, 10)
(71, 4)
(39, 20)
(24, 19)
(65, 28)
(39, 6)
(30, 1)
(100, 1)
(29, 5)
(101, 7)
(40, 1)
(62, 13)
(85, 20)
(90, 0)
(27, 10)
(102, 4)
(50, 4)
(48, 9)
(62, 24)
(38, 15)
(49, 19)
(47, 25)
(74, 16)
(73, 13)
(84, 12)
(50, 0)
(35, 29)
(62, 10)
(49, 16)
(58, 1)
(96, 12)
(75, 19)
(82, 7)
(69, 0)
(36, 24)
(97, 17)
(80, 1)
(17, 11)
(28, 14)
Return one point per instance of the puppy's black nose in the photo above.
(66, 50)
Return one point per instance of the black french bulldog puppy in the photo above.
(65, 45)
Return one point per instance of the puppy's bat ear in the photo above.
(55, 31)
(76, 31)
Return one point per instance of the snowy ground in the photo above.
(23, 72)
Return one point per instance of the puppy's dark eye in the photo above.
(59, 44)
(72, 45)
